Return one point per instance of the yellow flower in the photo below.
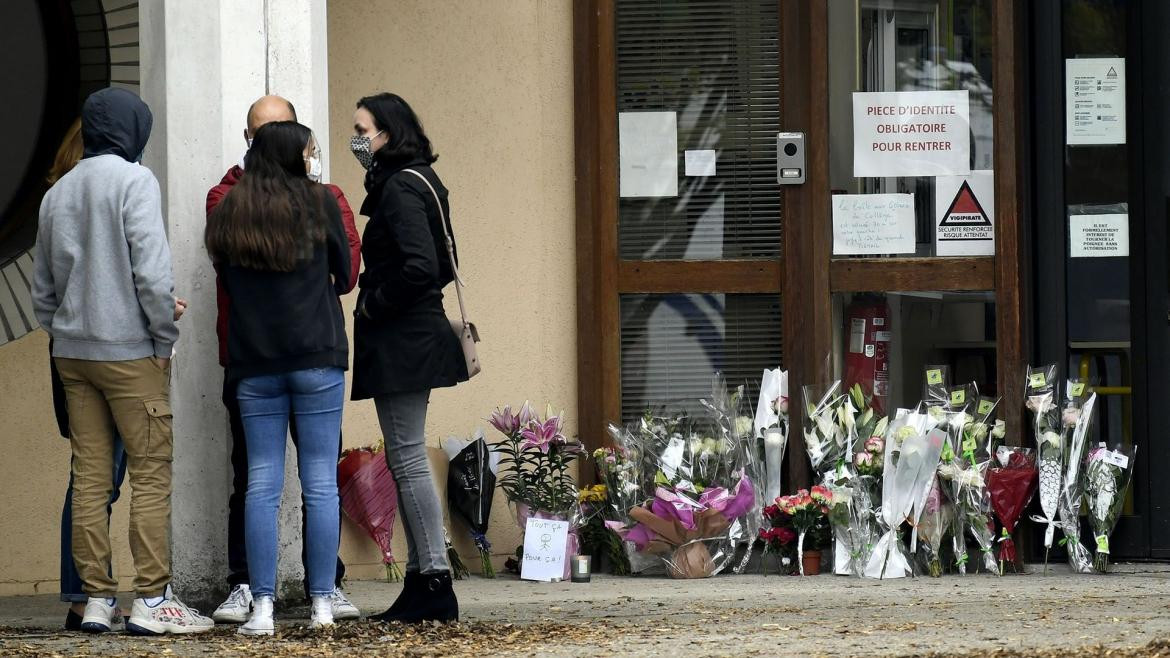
(593, 494)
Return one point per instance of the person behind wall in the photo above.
(280, 250)
(102, 289)
(403, 343)
(238, 605)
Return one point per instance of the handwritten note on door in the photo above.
(870, 224)
(544, 549)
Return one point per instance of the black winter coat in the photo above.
(403, 341)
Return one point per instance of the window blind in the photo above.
(716, 63)
(672, 344)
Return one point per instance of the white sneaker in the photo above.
(323, 610)
(260, 623)
(236, 608)
(342, 608)
(169, 616)
(99, 616)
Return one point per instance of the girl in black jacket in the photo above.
(403, 342)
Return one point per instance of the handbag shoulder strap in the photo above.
(450, 243)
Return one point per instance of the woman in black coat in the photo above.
(403, 343)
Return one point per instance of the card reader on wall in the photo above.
(790, 158)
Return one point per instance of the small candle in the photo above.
(581, 568)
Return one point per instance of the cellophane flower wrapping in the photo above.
(700, 475)
(1107, 478)
(771, 429)
(962, 471)
(1043, 404)
(912, 449)
(864, 430)
(1076, 421)
(1011, 483)
(825, 428)
(936, 518)
(369, 497)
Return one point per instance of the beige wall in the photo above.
(492, 81)
(493, 84)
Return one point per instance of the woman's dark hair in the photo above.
(274, 217)
(404, 131)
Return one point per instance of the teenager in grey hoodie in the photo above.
(103, 290)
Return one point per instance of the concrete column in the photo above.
(203, 64)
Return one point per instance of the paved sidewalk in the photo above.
(1033, 615)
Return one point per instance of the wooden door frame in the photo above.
(806, 222)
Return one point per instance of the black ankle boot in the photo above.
(405, 600)
(433, 600)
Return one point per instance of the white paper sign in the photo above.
(1094, 91)
(699, 163)
(965, 215)
(911, 133)
(648, 154)
(873, 224)
(1098, 236)
(544, 549)
(1118, 459)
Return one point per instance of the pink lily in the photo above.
(542, 435)
(505, 422)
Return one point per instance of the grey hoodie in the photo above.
(102, 283)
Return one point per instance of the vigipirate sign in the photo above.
(911, 133)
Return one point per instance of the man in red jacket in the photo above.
(238, 605)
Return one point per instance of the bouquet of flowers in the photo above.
(1041, 402)
(1010, 482)
(963, 473)
(1076, 423)
(597, 538)
(779, 538)
(369, 497)
(1107, 478)
(827, 423)
(701, 498)
(809, 511)
(771, 428)
(536, 462)
(936, 518)
(471, 485)
(913, 446)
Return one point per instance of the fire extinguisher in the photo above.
(867, 356)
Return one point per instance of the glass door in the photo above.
(1103, 199)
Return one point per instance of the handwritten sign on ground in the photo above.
(544, 549)
(871, 224)
(911, 133)
(1098, 236)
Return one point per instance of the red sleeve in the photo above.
(351, 233)
(222, 303)
(215, 195)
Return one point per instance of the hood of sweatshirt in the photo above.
(115, 122)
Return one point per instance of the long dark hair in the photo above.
(406, 140)
(274, 218)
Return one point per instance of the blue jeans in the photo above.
(315, 397)
(70, 579)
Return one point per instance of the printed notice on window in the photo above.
(648, 154)
(1094, 100)
(873, 224)
(911, 133)
(965, 215)
(1098, 236)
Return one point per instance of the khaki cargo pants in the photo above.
(135, 397)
